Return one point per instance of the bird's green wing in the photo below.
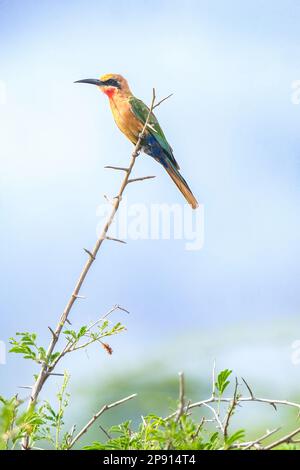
(141, 111)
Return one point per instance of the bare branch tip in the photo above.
(123, 309)
(54, 335)
(142, 178)
(116, 240)
(119, 168)
(89, 253)
(248, 388)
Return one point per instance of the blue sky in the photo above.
(234, 131)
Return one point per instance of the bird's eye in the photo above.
(112, 82)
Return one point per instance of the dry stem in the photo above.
(96, 416)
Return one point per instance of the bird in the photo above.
(130, 115)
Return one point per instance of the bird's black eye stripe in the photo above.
(112, 82)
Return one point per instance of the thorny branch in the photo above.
(233, 403)
(212, 399)
(283, 440)
(96, 416)
(180, 410)
(47, 369)
(231, 409)
(256, 444)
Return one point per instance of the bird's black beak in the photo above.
(92, 81)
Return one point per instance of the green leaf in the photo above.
(53, 357)
(237, 436)
(70, 333)
(222, 382)
(82, 331)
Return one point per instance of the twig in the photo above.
(116, 240)
(203, 420)
(217, 418)
(198, 404)
(123, 309)
(89, 253)
(142, 178)
(252, 394)
(71, 434)
(213, 393)
(113, 309)
(240, 400)
(104, 431)
(231, 410)
(121, 168)
(248, 388)
(180, 410)
(45, 369)
(284, 440)
(71, 347)
(52, 332)
(248, 445)
(161, 101)
(97, 415)
(181, 404)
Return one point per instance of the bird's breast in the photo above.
(125, 119)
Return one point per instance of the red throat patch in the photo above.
(109, 91)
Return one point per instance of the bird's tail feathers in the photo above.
(181, 184)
